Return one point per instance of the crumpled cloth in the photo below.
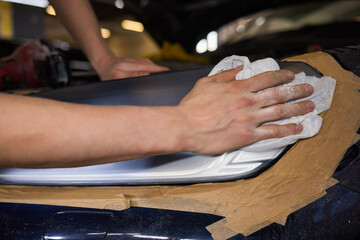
(322, 97)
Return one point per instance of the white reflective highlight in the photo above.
(54, 238)
(212, 41)
(178, 168)
(201, 47)
(35, 3)
(119, 4)
(150, 237)
(260, 21)
(240, 28)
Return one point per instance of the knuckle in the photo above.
(294, 92)
(281, 77)
(300, 88)
(303, 108)
(306, 90)
(248, 134)
(271, 75)
(279, 131)
(307, 106)
(238, 86)
(289, 130)
(244, 102)
(249, 119)
(285, 75)
(203, 80)
(275, 131)
(274, 76)
(279, 111)
(249, 101)
(277, 95)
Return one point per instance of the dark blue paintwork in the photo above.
(25, 221)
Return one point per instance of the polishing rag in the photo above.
(324, 88)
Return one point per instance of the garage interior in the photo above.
(179, 34)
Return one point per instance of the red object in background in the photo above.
(314, 48)
(18, 69)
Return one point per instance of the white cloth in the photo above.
(322, 97)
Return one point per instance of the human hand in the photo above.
(224, 114)
(114, 68)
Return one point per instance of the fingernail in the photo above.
(309, 89)
(290, 74)
(310, 105)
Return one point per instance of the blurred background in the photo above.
(190, 33)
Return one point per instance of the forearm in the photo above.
(218, 115)
(79, 19)
(42, 133)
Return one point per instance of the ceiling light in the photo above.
(119, 4)
(35, 3)
(240, 28)
(201, 47)
(132, 26)
(212, 41)
(260, 21)
(105, 33)
(50, 10)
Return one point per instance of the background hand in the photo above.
(115, 68)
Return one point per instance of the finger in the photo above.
(158, 68)
(283, 94)
(148, 67)
(121, 74)
(137, 60)
(227, 75)
(139, 74)
(148, 60)
(277, 131)
(283, 111)
(267, 79)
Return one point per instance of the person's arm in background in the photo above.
(80, 20)
(220, 114)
